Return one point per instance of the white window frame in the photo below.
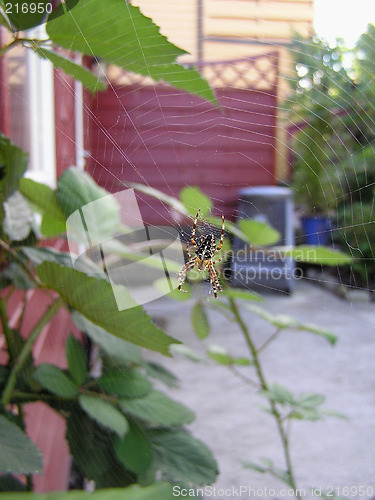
(41, 98)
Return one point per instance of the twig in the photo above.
(26, 350)
(264, 386)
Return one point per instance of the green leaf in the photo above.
(119, 350)
(319, 255)
(120, 34)
(18, 217)
(8, 483)
(94, 298)
(51, 227)
(44, 200)
(89, 444)
(76, 190)
(47, 254)
(159, 372)
(193, 200)
(13, 164)
(242, 294)
(54, 380)
(155, 193)
(159, 409)
(18, 454)
(200, 321)
(182, 457)
(42, 197)
(310, 400)
(164, 287)
(77, 362)
(129, 383)
(104, 413)
(16, 275)
(69, 67)
(186, 352)
(253, 466)
(134, 450)
(259, 233)
(22, 16)
(279, 394)
(283, 321)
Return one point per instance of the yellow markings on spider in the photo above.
(205, 249)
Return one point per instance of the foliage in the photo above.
(120, 430)
(333, 112)
(116, 32)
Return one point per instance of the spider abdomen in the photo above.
(205, 248)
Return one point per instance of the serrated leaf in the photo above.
(129, 383)
(18, 454)
(159, 409)
(159, 372)
(69, 67)
(76, 358)
(283, 321)
(104, 413)
(94, 299)
(319, 255)
(120, 34)
(119, 350)
(13, 164)
(200, 321)
(134, 450)
(259, 233)
(182, 457)
(55, 380)
(164, 287)
(220, 358)
(194, 199)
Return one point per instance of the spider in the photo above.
(205, 249)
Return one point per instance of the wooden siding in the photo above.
(170, 140)
(177, 20)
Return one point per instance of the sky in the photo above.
(347, 19)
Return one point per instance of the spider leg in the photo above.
(214, 280)
(222, 234)
(182, 274)
(187, 251)
(219, 260)
(194, 227)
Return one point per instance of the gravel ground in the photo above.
(328, 453)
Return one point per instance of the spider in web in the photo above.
(205, 249)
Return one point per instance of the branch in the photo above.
(26, 350)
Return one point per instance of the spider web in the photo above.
(225, 408)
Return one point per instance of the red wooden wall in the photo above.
(169, 139)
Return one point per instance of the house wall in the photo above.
(230, 29)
